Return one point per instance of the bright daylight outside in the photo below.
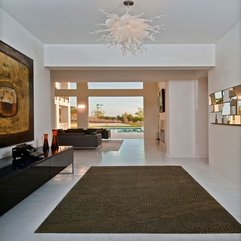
(122, 115)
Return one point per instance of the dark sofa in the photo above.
(105, 134)
(79, 139)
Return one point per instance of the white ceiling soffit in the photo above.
(71, 21)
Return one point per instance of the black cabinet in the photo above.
(16, 184)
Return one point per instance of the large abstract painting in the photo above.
(16, 96)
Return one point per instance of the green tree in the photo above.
(98, 111)
(140, 114)
(73, 110)
(127, 117)
(119, 118)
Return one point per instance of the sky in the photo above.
(114, 106)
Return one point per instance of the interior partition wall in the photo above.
(187, 118)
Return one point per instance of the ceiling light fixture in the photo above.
(128, 31)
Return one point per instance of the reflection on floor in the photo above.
(20, 222)
(127, 133)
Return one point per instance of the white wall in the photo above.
(160, 55)
(125, 74)
(180, 118)
(19, 38)
(225, 141)
(201, 117)
(187, 118)
(82, 98)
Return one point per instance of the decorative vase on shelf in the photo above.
(46, 143)
(55, 144)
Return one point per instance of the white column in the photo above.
(201, 117)
(82, 99)
(181, 136)
(151, 111)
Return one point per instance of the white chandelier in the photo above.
(128, 31)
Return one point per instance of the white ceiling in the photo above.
(71, 21)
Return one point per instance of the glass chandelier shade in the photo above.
(128, 31)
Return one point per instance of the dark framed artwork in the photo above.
(162, 100)
(16, 97)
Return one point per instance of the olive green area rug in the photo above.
(140, 199)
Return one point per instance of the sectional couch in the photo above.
(105, 134)
(80, 138)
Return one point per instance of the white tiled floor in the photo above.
(20, 222)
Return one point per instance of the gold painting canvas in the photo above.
(16, 96)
